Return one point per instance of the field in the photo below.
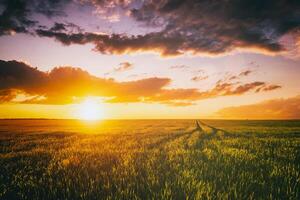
(149, 159)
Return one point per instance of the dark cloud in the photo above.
(273, 109)
(164, 43)
(18, 75)
(221, 26)
(65, 85)
(49, 8)
(116, 43)
(16, 16)
(59, 27)
(191, 26)
(212, 27)
(65, 27)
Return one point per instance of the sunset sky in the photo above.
(150, 59)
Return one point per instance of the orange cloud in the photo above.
(7, 95)
(65, 85)
(269, 88)
(288, 108)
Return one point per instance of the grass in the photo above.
(149, 159)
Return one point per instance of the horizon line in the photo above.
(108, 119)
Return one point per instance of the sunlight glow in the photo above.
(90, 109)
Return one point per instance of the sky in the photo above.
(133, 59)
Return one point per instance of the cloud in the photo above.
(222, 26)
(191, 26)
(268, 88)
(7, 95)
(13, 18)
(240, 75)
(18, 75)
(271, 87)
(197, 27)
(245, 73)
(179, 67)
(199, 78)
(241, 89)
(179, 103)
(137, 75)
(66, 85)
(62, 85)
(288, 108)
(17, 15)
(118, 43)
(65, 27)
(124, 66)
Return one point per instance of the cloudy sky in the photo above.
(150, 59)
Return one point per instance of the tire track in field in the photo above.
(214, 132)
(206, 133)
(168, 139)
(178, 148)
(197, 135)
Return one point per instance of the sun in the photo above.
(90, 109)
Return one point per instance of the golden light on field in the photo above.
(90, 109)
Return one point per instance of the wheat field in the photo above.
(149, 159)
